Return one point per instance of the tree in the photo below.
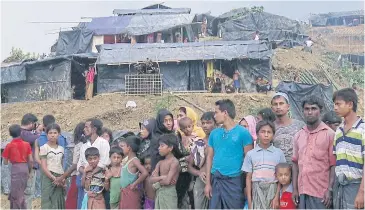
(17, 55)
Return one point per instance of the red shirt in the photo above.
(90, 75)
(286, 201)
(17, 151)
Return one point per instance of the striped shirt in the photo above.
(349, 149)
(262, 162)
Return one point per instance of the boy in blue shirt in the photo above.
(226, 149)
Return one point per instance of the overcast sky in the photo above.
(17, 31)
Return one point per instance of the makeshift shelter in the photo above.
(298, 91)
(58, 78)
(337, 18)
(242, 25)
(183, 65)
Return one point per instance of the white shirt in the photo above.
(102, 145)
(54, 157)
(309, 43)
(76, 157)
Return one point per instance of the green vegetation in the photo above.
(17, 55)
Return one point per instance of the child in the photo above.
(51, 156)
(186, 127)
(197, 162)
(19, 153)
(283, 174)
(166, 171)
(107, 135)
(112, 176)
(130, 178)
(259, 164)
(149, 192)
(236, 81)
(93, 185)
(332, 120)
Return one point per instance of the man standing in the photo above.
(313, 159)
(93, 131)
(30, 130)
(227, 147)
(349, 147)
(286, 127)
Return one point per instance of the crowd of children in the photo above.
(177, 164)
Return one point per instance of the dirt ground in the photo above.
(110, 108)
(6, 205)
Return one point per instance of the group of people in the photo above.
(264, 161)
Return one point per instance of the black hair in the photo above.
(278, 96)
(53, 126)
(116, 150)
(313, 100)
(227, 105)
(15, 131)
(283, 165)
(143, 160)
(171, 140)
(28, 119)
(265, 123)
(79, 133)
(348, 95)
(183, 109)
(208, 116)
(109, 132)
(267, 114)
(48, 119)
(133, 142)
(98, 124)
(92, 151)
(331, 117)
(183, 121)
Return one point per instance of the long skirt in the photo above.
(166, 198)
(19, 177)
(200, 201)
(129, 199)
(71, 199)
(53, 197)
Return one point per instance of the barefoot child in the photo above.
(197, 166)
(283, 174)
(19, 153)
(112, 176)
(149, 192)
(166, 171)
(259, 164)
(51, 155)
(130, 178)
(93, 183)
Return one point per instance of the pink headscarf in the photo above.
(251, 121)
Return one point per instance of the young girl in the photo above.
(51, 155)
(259, 164)
(107, 135)
(130, 178)
(112, 176)
(166, 172)
(149, 192)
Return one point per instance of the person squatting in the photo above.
(268, 161)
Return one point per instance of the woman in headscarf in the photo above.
(249, 122)
(190, 113)
(146, 130)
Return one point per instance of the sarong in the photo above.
(106, 195)
(130, 199)
(263, 194)
(53, 197)
(182, 187)
(149, 204)
(227, 192)
(114, 205)
(166, 197)
(200, 201)
(345, 192)
(19, 177)
(71, 199)
(310, 202)
(96, 202)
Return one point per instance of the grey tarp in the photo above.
(151, 11)
(250, 70)
(355, 59)
(111, 78)
(335, 18)
(74, 42)
(298, 91)
(138, 24)
(173, 52)
(13, 73)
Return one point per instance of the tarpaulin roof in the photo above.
(13, 73)
(138, 24)
(74, 42)
(151, 11)
(170, 52)
(321, 19)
